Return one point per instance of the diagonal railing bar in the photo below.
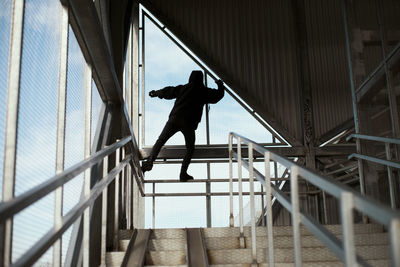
(38, 249)
(9, 208)
(349, 200)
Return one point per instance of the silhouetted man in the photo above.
(185, 116)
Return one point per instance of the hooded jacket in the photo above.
(190, 99)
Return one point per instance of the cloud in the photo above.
(163, 57)
(43, 16)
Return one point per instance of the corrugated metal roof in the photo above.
(252, 46)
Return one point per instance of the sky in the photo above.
(166, 65)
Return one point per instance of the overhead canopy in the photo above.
(254, 47)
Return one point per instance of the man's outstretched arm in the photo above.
(169, 92)
(213, 96)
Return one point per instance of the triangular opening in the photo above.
(166, 64)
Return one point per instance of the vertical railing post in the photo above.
(116, 202)
(10, 144)
(325, 212)
(294, 188)
(268, 195)
(153, 214)
(123, 193)
(394, 233)
(231, 221)
(390, 177)
(346, 211)
(60, 146)
(104, 215)
(252, 206)
(87, 147)
(143, 81)
(239, 153)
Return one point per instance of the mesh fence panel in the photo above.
(30, 225)
(37, 120)
(75, 124)
(5, 20)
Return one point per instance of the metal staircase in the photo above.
(168, 247)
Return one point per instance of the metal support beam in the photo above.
(304, 82)
(10, 142)
(221, 151)
(60, 155)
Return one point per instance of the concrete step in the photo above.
(173, 233)
(177, 257)
(114, 258)
(125, 234)
(377, 263)
(285, 255)
(159, 244)
(287, 230)
(213, 243)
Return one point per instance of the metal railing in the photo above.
(349, 200)
(386, 162)
(9, 209)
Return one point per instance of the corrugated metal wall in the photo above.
(252, 45)
(329, 77)
(255, 54)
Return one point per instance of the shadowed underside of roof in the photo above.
(254, 47)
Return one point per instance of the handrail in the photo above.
(374, 138)
(38, 249)
(388, 163)
(13, 206)
(349, 200)
(375, 160)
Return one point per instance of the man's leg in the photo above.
(190, 138)
(169, 130)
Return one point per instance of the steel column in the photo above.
(153, 213)
(252, 207)
(104, 216)
(231, 221)
(268, 195)
(391, 181)
(10, 142)
(239, 153)
(208, 185)
(294, 190)
(143, 80)
(346, 211)
(87, 152)
(354, 99)
(62, 86)
(116, 203)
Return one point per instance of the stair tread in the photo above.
(287, 241)
(377, 263)
(285, 255)
(287, 230)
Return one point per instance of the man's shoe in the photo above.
(147, 166)
(184, 177)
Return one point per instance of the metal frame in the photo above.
(388, 162)
(11, 124)
(349, 199)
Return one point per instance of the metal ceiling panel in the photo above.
(252, 46)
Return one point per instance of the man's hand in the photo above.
(219, 83)
(153, 93)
